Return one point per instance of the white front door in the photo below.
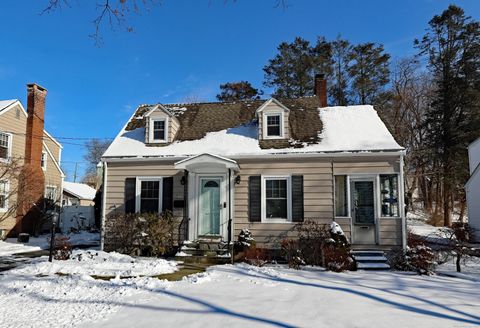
(210, 206)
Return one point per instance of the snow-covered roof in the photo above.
(345, 129)
(5, 103)
(80, 190)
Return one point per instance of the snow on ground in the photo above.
(12, 246)
(242, 296)
(98, 263)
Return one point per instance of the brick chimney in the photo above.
(32, 180)
(35, 123)
(321, 89)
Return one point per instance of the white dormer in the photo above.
(273, 120)
(161, 126)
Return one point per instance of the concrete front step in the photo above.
(372, 266)
(370, 258)
(204, 259)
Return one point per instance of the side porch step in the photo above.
(203, 251)
(370, 260)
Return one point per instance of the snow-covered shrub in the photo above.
(292, 254)
(149, 234)
(459, 239)
(245, 239)
(312, 237)
(337, 250)
(417, 257)
(62, 248)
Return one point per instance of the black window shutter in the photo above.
(167, 194)
(254, 199)
(297, 198)
(130, 195)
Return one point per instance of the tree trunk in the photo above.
(447, 217)
(459, 257)
(461, 216)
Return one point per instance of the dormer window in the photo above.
(158, 130)
(273, 125)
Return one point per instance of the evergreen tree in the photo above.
(339, 86)
(291, 72)
(241, 90)
(452, 47)
(369, 71)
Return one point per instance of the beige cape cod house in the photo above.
(25, 145)
(264, 165)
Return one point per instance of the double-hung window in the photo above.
(273, 125)
(277, 198)
(5, 145)
(341, 196)
(4, 195)
(149, 195)
(389, 195)
(158, 130)
(51, 193)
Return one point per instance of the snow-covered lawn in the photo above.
(241, 296)
(98, 263)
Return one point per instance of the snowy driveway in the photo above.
(242, 296)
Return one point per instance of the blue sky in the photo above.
(179, 50)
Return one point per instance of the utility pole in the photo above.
(75, 174)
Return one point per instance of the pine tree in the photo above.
(452, 47)
(339, 86)
(291, 72)
(369, 71)
(241, 90)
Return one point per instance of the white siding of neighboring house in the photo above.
(473, 187)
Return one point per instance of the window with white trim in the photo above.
(389, 195)
(276, 198)
(4, 186)
(51, 192)
(341, 196)
(273, 125)
(43, 160)
(5, 145)
(158, 130)
(149, 195)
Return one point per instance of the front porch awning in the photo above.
(206, 159)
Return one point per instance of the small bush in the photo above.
(141, 234)
(292, 253)
(62, 248)
(318, 244)
(257, 256)
(417, 257)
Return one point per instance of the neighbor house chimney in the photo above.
(32, 180)
(321, 89)
(35, 123)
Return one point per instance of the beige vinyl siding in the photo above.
(118, 172)
(52, 146)
(14, 123)
(318, 199)
(173, 127)
(52, 175)
(318, 191)
(390, 231)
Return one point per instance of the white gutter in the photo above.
(402, 204)
(104, 204)
(264, 156)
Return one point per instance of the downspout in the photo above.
(402, 205)
(229, 226)
(104, 204)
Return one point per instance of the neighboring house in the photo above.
(78, 194)
(28, 154)
(264, 165)
(473, 187)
